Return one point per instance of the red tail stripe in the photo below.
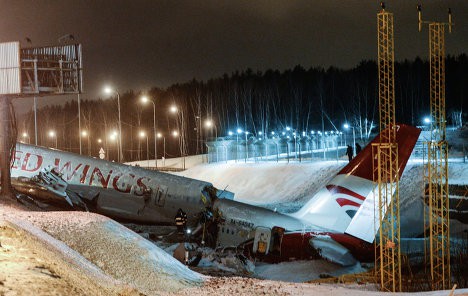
(347, 202)
(339, 189)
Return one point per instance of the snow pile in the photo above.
(268, 184)
(116, 250)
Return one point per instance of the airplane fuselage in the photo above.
(122, 191)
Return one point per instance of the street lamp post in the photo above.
(347, 126)
(237, 143)
(25, 135)
(246, 147)
(113, 137)
(164, 148)
(176, 134)
(52, 134)
(143, 135)
(145, 99)
(109, 90)
(209, 123)
(86, 134)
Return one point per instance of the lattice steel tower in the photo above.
(436, 175)
(385, 165)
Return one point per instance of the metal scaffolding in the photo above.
(385, 165)
(436, 175)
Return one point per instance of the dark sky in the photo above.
(136, 44)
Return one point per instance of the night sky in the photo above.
(136, 44)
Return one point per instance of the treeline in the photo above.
(257, 102)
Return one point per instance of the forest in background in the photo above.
(304, 100)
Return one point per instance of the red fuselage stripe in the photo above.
(338, 189)
(347, 202)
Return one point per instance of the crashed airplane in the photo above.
(337, 223)
(122, 192)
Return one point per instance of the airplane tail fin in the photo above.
(346, 204)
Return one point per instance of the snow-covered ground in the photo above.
(95, 255)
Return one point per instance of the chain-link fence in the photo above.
(277, 149)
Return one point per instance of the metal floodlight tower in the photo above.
(33, 71)
(436, 175)
(385, 164)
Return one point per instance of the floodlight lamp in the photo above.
(346, 126)
(427, 120)
(108, 90)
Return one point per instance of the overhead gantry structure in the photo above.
(385, 165)
(34, 71)
(436, 173)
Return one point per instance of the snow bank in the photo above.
(267, 183)
(116, 250)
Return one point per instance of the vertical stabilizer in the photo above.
(346, 204)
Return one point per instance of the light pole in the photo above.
(209, 123)
(176, 134)
(52, 134)
(86, 134)
(246, 147)
(164, 148)
(113, 137)
(109, 90)
(347, 126)
(145, 99)
(25, 135)
(142, 136)
(237, 143)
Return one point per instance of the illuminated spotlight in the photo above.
(427, 120)
(239, 131)
(230, 133)
(288, 128)
(189, 231)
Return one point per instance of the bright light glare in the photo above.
(159, 135)
(99, 141)
(239, 131)
(230, 133)
(209, 123)
(427, 120)
(142, 134)
(52, 134)
(173, 108)
(108, 90)
(84, 133)
(175, 133)
(25, 135)
(144, 99)
(346, 126)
